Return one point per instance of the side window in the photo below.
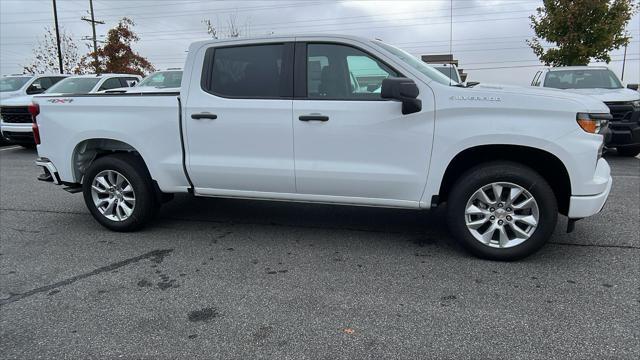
(344, 73)
(128, 82)
(39, 85)
(252, 71)
(110, 83)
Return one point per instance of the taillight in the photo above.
(34, 110)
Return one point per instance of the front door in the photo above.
(237, 117)
(349, 142)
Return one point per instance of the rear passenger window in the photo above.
(111, 83)
(256, 71)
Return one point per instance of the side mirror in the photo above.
(404, 90)
(632, 86)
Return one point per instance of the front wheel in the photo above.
(502, 211)
(118, 192)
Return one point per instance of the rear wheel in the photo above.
(118, 192)
(502, 211)
(629, 150)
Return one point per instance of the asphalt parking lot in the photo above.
(216, 278)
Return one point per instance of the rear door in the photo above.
(349, 142)
(238, 120)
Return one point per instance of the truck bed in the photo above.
(149, 123)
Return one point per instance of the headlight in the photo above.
(636, 104)
(593, 123)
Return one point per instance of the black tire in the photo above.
(135, 171)
(502, 171)
(630, 151)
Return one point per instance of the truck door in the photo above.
(349, 142)
(239, 136)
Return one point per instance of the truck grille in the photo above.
(621, 110)
(15, 114)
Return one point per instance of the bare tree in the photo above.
(233, 29)
(45, 54)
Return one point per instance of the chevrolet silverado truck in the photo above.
(279, 118)
(604, 85)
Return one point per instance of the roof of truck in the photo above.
(280, 36)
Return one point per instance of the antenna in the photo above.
(450, 38)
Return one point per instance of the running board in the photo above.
(72, 189)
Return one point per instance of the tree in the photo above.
(45, 54)
(116, 55)
(580, 29)
(232, 30)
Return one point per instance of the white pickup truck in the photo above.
(279, 118)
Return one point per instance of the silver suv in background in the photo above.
(25, 84)
(603, 84)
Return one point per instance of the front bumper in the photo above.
(624, 134)
(17, 133)
(586, 205)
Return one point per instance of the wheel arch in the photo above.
(549, 166)
(88, 150)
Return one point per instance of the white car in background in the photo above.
(602, 84)
(15, 123)
(25, 84)
(160, 81)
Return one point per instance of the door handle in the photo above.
(313, 118)
(204, 116)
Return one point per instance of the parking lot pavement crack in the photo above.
(155, 254)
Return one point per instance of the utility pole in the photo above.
(93, 22)
(55, 19)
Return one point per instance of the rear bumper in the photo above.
(17, 133)
(48, 166)
(583, 206)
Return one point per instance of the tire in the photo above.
(111, 169)
(486, 240)
(630, 151)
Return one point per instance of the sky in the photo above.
(487, 37)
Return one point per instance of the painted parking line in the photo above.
(11, 148)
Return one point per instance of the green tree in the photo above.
(580, 30)
(116, 55)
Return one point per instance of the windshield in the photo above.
(74, 85)
(417, 64)
(449, 72)
(13, 83)
(582, 79)
(163, 79)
